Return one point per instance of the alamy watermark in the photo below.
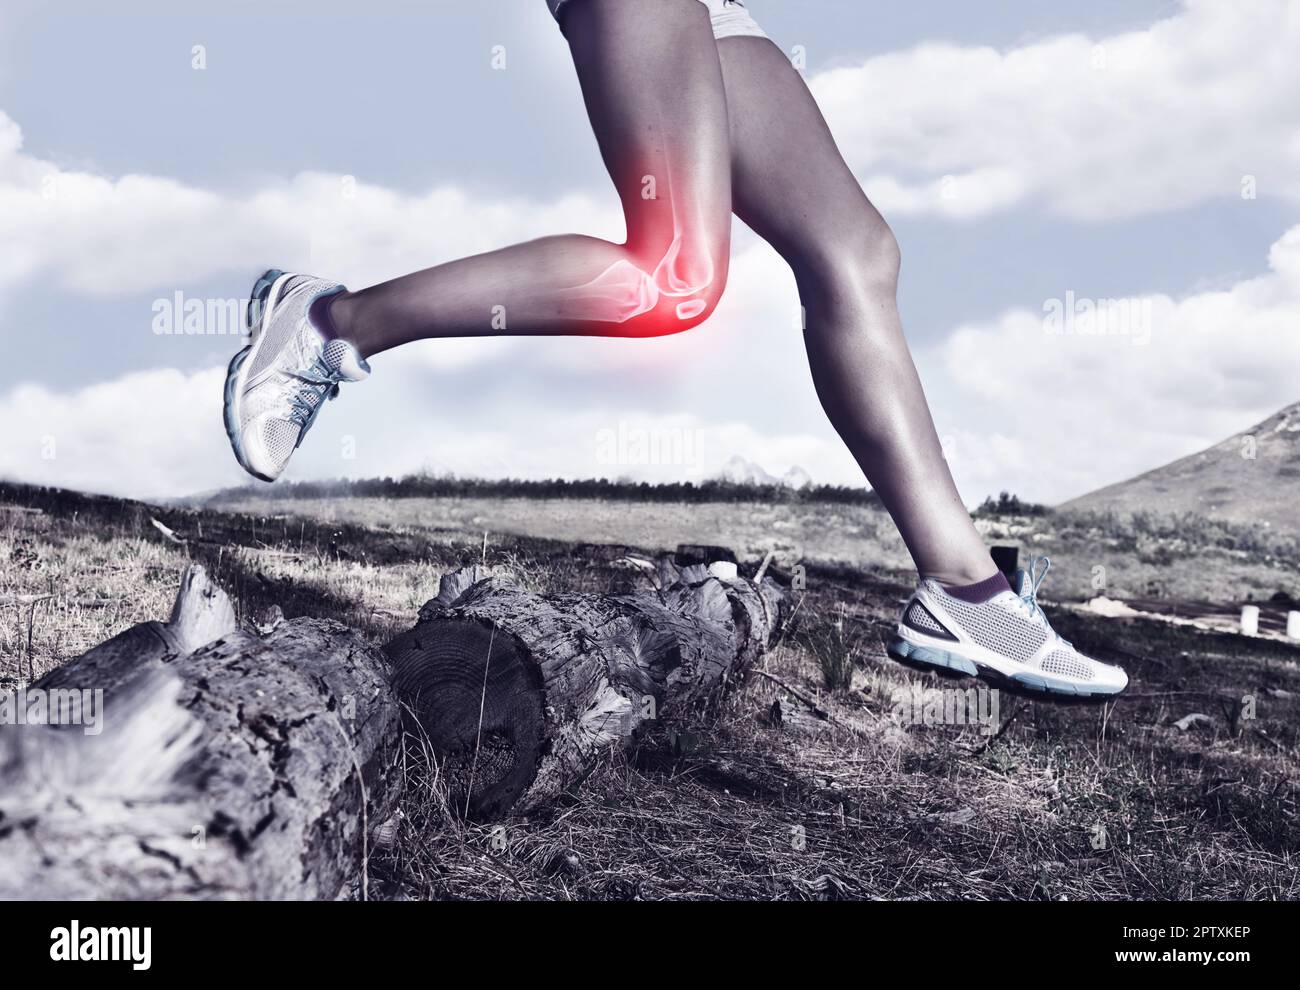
(917, 705)
(635, 445)
(56, 706)
(194, 316)
(102, 944)
(1079, 316)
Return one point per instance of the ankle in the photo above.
(962, 575)
(335, 317)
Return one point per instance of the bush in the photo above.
(1185, 533)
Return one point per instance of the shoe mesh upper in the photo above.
(919, 617)
(336, 352)
(995, 625)
(288, 319)
(280, 438)
(1069, 664)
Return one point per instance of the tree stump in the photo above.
(519, 694)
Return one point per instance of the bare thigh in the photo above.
(789, 182)
(653, 88)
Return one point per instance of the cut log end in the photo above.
(476, 697)
(518, 695)
(202, 612)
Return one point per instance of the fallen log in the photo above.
(208, 761)
(519, 694)
(229, 765)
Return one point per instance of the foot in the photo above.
(1005, 638)
(276, 386)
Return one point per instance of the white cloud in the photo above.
(159, 434)
(956, 197)
(1045, 415)
(147, 433)
(1127, 124)
(1175, 114)
(1068, 412)
(103, 236)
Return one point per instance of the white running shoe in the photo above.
(1006, 638)
(276, 386)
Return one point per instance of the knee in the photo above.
(862, 265)
(690, 279)
(698, 305)
(880, 258)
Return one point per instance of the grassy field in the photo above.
(1055, 802)
(850, 535)
(1181, 558)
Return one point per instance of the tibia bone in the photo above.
(619, 293)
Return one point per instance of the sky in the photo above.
(1050, 170)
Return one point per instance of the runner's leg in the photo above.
(653, 89)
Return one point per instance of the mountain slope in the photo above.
(1253, 477)
(739, 471)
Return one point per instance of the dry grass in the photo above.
(1062, 802)
(855, 535)
(64, 588)
(1188, 557)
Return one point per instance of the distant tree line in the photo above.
(1007, 504)
(425, 486)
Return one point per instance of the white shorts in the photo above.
(730, 18)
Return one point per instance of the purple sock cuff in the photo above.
(981, 591)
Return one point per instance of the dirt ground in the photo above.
(1039, 800)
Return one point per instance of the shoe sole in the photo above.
(266, 292)
(952, 664)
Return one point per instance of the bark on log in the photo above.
(519, 694)
(233, 765)
(244, 767)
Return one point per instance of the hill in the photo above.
(1252, 477)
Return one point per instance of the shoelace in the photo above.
(1035, 582)
(320, 383)
(1031, 599)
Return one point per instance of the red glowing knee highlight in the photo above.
(674, 290)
